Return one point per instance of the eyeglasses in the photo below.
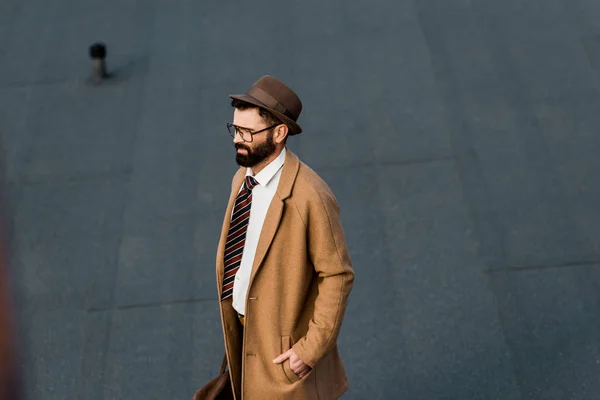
(245, 133)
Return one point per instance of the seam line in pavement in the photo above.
(581, 263)
(77, 178)
(150, 305)
(386, 163)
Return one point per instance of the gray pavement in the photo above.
(460, 137)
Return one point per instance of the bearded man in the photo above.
(283, 269)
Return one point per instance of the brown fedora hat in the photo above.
(273, 95)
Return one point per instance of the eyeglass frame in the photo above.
(237, 130)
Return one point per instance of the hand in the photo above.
(296, 364)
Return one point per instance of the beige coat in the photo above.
(299, 286)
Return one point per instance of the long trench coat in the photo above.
(298, 292)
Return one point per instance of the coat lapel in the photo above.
(273, 217)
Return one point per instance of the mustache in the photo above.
(239, 146)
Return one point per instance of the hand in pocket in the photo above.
(296, 364)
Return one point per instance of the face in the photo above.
(262, 146)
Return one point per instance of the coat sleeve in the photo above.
(329, 255)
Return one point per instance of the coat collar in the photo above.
(288, 175)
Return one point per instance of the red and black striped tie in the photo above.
(236, 237)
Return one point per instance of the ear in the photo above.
(281, 133)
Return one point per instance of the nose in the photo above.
(237, 138)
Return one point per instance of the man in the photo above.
(283, 269)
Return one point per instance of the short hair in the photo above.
(266, 115)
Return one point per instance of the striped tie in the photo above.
(236, 237)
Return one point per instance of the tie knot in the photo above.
(250, 182)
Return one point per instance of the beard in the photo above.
(257, 154)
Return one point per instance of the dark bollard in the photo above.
(98, 56)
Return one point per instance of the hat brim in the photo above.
(292, 125)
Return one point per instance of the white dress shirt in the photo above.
(262, 194)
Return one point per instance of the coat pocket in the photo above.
(286, 344)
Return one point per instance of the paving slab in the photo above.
(460, 139)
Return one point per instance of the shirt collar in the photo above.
(267, 173)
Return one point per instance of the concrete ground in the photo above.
(460, 137)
